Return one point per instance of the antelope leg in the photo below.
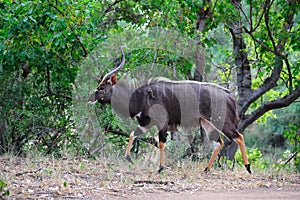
(240, 141)
(138, 131)
(162, 156)
(217, 149)
(218, 144)
(127, 153)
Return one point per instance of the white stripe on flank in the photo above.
(143, 128)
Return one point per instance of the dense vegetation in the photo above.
(252, 47)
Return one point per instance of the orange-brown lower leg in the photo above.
(127, 153)
(240, 141)
(214, 154)
(162, 156)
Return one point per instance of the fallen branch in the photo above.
(154, 182)
(28, 172)
(150, 140)
(293, 156)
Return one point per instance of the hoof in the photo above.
(206, 170)
(248, 168)
(128, 158)
(161, 168)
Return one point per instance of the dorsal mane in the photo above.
(159, 79)
(166, 80)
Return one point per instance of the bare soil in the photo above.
(258, 193)
(77, 178)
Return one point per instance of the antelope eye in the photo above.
(102, 88)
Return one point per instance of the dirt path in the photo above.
(266, 193)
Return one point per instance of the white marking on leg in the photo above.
(216, 144)
(139, 114)
(132, 135)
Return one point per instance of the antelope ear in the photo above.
(113, 80)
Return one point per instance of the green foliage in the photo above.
(48, 171)
(254, 157)
(284, 162)
(293, 136)
(65, 184)
(82, 165)
(274, 131)
(42, 44)
(3, 190)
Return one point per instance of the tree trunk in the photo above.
(246, 95)
(243, 80)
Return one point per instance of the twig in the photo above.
(72, 29)
(259, 20)
(261, 43)
(154, 182)
(289, 73)
(109, 8)
(239, 7)
(28, 172)
(150, 140)
(267, 9)
(293, 156)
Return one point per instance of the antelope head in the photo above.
(103, 92)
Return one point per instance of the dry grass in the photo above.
(38, 177)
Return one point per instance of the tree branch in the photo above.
(259, 20)
(53, 6)
(271, 81)
(108, 9)
(151, 140)
(289, 72)
(265, 107)
(250, 33)
(80, 43)
(239, 7)
(49, 90)
(251, 13)
(268, 84)
(267, 8)
(72, 29)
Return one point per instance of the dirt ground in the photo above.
(262, 193)
(77, 178)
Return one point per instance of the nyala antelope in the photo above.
(168, 104)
